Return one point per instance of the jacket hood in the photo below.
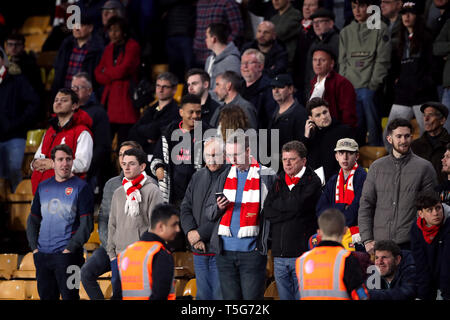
(229, 50)
(79, 117)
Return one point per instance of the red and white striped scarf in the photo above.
(345, 194)
(249, 215)
(133, 194)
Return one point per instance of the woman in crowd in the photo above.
(117, 69)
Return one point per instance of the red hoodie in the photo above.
(79, 122)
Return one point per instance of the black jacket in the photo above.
(276, 60)
(415, 83)
(152, 123)
(19, 107)
(101, 135)
(291, 124)
(321, 144)
(192, 210)
(162, 269)
(292, 214)
(208, 109)
(403, 286)
(90, 62)
(178, 17)
(432, 261)
(432, 149)
(260, 95)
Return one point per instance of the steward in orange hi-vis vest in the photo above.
(136, 269)
(321, 274)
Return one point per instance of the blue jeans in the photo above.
(242, 275)
(368, 118)
(94, 267)
(180, 55)
(52, 275)
(207, 278)
(286, 278)
(11, 158)
(115, 281)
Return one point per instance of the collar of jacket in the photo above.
(150, 236)
(403, 159)
(442, 137)
(54, 121)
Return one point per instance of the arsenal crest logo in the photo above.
(69, 191)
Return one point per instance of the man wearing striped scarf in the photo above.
(240, 236)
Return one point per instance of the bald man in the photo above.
(276, 58)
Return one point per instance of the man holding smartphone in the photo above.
(195, 224)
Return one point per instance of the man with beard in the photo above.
(397, 271)
(198, 83)
(386, 210)
(275, 55)
(444, 188)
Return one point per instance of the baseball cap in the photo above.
(346, 144)
(112, 4)
(442, 108)
(322, 13)
(281, 81)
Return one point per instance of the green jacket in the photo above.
(364, 55)
(441, 48)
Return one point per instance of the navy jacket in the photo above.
(432, 261)
(19, 107)
(403, 286)
(328, 196)
(91, 60)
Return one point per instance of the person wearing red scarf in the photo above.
(430, 244)
(290, 208)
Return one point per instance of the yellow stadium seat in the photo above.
(179, 93)
(12, 290)
(269, 266)
(27, 269)
(20, 205)
(184, 264)
(8, 264)
(36, 25)
(157, 69)
(190, 289)
(34, 42)
(106, 287)
(179, 286)
(271, 292)
(368, 154)
(31, 290)
(34, 138)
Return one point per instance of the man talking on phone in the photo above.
(321, 135)
(195, 224)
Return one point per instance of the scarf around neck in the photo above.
(249, 215)
(429, 233)
(345, 192)
(133, 194)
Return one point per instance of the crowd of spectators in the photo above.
(317, 74)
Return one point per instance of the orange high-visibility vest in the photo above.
(135, 268)
(320, 274)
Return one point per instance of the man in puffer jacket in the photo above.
(70, 126)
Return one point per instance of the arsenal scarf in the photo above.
(429, 233)
(3, 72)
(345, 193)
(133, 195)
(249, 215)
(292, 182)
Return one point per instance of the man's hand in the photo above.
(370, 246)
(66, 251)
(222, 203)
(193, 237)
(309, 127)
(43, 164)
(160, 173)
(35, 250)
(200, 246)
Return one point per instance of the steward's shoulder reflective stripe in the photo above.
(146, 290)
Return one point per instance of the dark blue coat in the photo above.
(432, 261)
(403, 286)
(19, 107)
(327, 199)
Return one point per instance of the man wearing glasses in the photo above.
(147, 130)
(82, 86)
